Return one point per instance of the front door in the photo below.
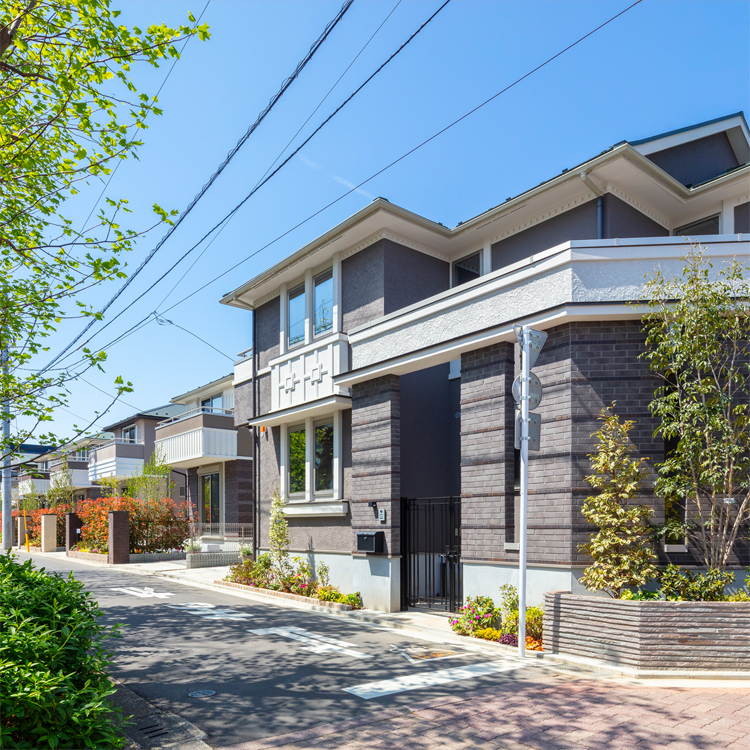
(431, 535)
(210, 498)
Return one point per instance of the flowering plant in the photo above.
(477, 614)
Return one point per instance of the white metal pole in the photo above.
(525, 377)
(7, 511)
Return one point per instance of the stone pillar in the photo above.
(21, 533)
(119, 537)
(72, 530)
(376, 477)
(487, 495)
(49, 532)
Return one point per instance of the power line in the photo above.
(281, 153)
(284, 86)
(156, 97)
(145, 321)
(260, 184)
(163, 322)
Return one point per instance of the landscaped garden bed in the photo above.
(480, 618)
(286, 595)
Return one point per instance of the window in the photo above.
(323, 318)
(297, 474)
(210, 498)
(297, 315)
(128, 434)
(214, 402)
(467, 269)
(698, 228)
(324, 456)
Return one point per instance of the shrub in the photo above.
(489, 634)
(534, 616)
(509, 639)
(508, 599)
(683, 585)
(34, 523)
(533, 644)
(478, 613)
(329, 594)
(301, 579)
(354, 600)
(249, 573)
(322, 572)
(155, 525)
(640, 595)
(53, 683)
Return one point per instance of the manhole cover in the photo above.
(201, 693)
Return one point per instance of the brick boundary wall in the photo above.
(649, 635)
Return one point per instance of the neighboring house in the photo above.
(384, 352)
(124, 455)
(24, 468)
(216, 456)
(52, 463)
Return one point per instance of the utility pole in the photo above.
(527, 391)
(7, 510)
(525, 377)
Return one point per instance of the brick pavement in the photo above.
(569, 715)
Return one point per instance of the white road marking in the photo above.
(420, 655)
(317, 644)
(145, 593)
(427, 679)
(211, 611)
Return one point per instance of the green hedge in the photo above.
(53, 683)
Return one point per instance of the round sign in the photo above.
(535, 391)
(201, 694)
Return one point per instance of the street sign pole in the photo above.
(525, 378)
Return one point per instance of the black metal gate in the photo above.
(431, 548)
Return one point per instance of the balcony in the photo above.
(200, 436)
(78, 467)
(118, 458)
(38, 483)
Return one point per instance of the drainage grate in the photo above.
(201, 694)
(153, 730)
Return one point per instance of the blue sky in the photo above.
(663, 65)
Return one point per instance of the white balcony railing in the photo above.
(196, 412)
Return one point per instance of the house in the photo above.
(215, 456)
(379, 387)
(124, 455)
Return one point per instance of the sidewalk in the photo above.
(574, 715)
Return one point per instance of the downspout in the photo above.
(599, 204)
(256, 471)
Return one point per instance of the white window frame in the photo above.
(481, 252)
(206, 471)
(330, 330)
(284, 469)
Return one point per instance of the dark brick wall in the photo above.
(238, 492)
(486, 452)
(376, 458)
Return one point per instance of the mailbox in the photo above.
(372, 542)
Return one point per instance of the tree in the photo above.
(697, 335)
(69, 112)
(620, 551)
(61, 487)
(153, 481)
(278, 533)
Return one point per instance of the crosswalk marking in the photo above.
(380, 688)
(144, 593)
(317, 644)
(211, 611)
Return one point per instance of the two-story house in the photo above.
(131, 446)
(216, 456)
(379, 388)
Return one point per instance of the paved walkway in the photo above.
(569, 716)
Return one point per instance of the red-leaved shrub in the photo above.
(155, 525)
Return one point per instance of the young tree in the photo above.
(697, 335)
(61, 487)
(153, 481)
(278, 534)
(69, 112)
(621, 554)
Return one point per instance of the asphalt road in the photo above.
(273, 670)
